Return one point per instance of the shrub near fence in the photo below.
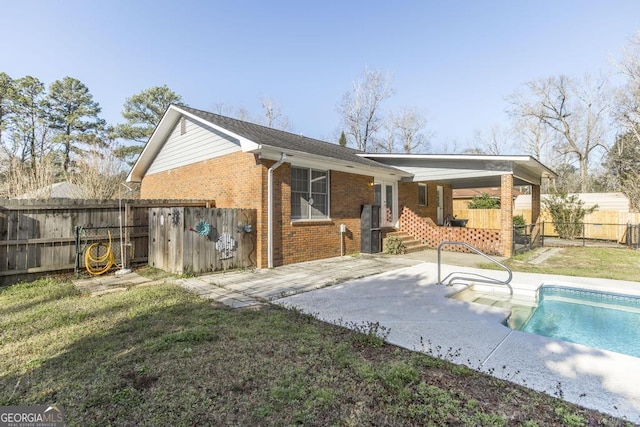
(37, 236)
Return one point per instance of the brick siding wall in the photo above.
(232, 181)
(306, 240)
(408, 196)
(239, 180)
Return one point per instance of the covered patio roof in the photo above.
(467, 170)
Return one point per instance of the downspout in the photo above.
(275, 166)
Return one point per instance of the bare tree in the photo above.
(388, 142)
(495, 142)
(273, 116)
(403, 133)
(573, 111)
(222, 109)
(450, 146)
(622, 166)
(20, 178)
(534, 137)
(623, 158)
(243, 114)
(409, 125)
(360, 107)
(627, 100)
(97, 174)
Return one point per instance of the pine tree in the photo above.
(343, 140)
(142, 113)
(73, 114)
(6, 94)
(29, 138)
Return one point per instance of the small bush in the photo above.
(567, 213)
(394, 245)
(484, 201)
(519, 224)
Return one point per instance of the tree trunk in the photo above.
(584, 174)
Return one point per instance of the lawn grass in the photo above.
(159, 355)
(605, 263)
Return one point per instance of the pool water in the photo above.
(520, 306)
(597, 319)
(602, 320)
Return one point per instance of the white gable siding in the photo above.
(198, 143)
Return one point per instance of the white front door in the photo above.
(440, 205)
(385, 197)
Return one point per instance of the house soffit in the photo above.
(468, 171)
(306, 160)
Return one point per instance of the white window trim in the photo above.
(426, 195)
(328, 215)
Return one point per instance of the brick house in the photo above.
(305, 189)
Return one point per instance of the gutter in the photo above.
(275, 166)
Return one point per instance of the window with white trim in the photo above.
(422, 194)
(309, 194)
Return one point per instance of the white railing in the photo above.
(459, 275)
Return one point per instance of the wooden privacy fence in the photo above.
(199, 240)
(37, 236)
(599, 225)
(134, 246)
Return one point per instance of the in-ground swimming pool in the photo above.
(597, 319)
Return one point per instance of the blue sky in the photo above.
(455, 61)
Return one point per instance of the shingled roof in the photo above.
(285, 140)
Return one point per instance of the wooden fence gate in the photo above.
(199, 240)
(38, 237)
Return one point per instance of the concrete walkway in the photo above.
(100, 285)
(251, 287)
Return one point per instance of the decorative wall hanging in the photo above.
(244, 228)
(226, 246)
(175, 218)
(202, 228)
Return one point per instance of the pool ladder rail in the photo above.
(460, 275)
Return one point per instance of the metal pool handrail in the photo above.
(477, 277)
